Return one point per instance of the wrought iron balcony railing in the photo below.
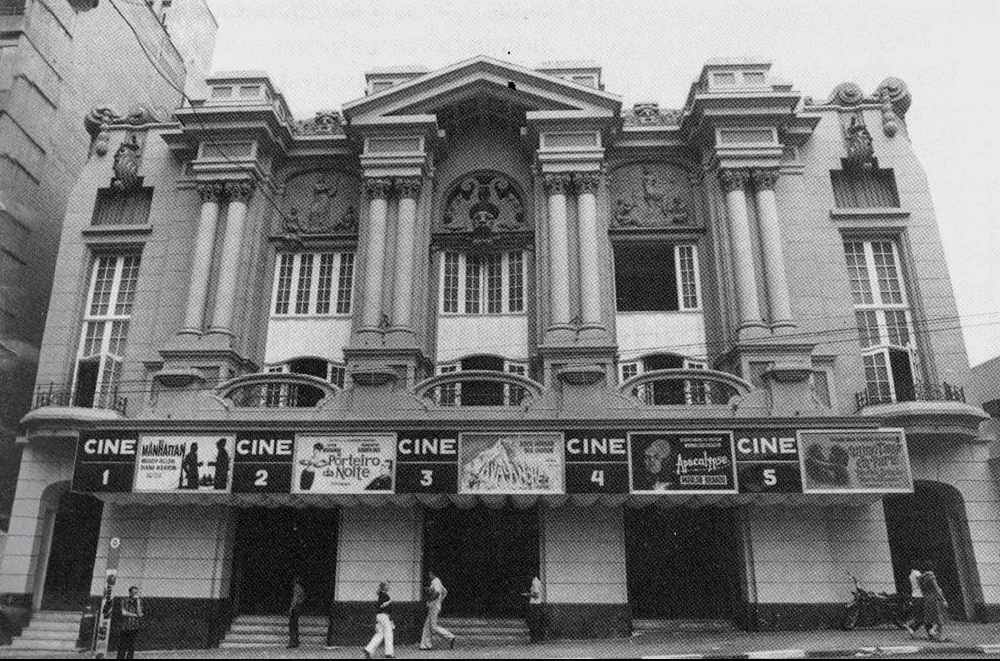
(920, 392)
(50, 395)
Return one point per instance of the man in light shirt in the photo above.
(436, 592)
(916, 604)
(536, 630)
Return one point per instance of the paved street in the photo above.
(966, 640)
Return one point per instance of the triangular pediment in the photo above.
(478, 78)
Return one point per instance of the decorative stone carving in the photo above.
(846, 94)
(651, 195)
(650, 114)
(587, 182)
(98, 120)
(895, 99)
(556, 184)
(764, 179)
(858, 142)
(128, 158)
(326, 122)
(409, 187)
(377, 188)
(733, 179)
(321, 203)
(210, 192)
(484, 201)
(239, 191)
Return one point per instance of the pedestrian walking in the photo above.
(935, 604)
(383, 623)
(533, 616)
(131, 623)
(916, 618)
(435, 594)
(298, 598)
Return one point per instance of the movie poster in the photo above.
(515, 463)
(344, 464)
(838, 461)
(185, 463)
(695, 461)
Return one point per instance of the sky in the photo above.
(317, 51)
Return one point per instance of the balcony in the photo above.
(685, 387)
(49, 395)
(930, 412)
(276, 390)
(58, 413)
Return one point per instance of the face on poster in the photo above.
(344, 464)
(861, 461)
(669, 461)
(515, 463)
(185, 463)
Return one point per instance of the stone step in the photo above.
(280, 619)
(56, 616)
(278, 641)
(22, 645)
(31, 633)
(248, 629)
(46, 625)
(647, 625)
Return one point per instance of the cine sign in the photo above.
(427, 462)
(596, 461)
(263, 462)
(105, 462)
(767, 461)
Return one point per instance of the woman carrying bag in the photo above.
(383, 623)
(935, 605)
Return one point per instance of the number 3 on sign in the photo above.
(597, 477)
(261, 480)
(426, 478)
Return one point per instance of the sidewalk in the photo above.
(966, 639)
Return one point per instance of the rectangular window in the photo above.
(104, 332)
(490, 284)
(656, 277)
(864, 188)
(821, 387)
(115, 207)
(628, 370)
(303, 283)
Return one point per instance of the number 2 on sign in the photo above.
(597, 477)
(261, 480)
(426, 478)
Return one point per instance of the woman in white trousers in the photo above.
(383, 623)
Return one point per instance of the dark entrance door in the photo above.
(485, 558)
(682, 563)
(71, 557)
(272, 546)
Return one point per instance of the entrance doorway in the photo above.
(682, 563)
(272, 546)
(930, 525)
(485, 558)
(73, 546)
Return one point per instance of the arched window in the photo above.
(482, 393)
(667, 391)
(278, 394)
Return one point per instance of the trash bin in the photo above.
(87, 621)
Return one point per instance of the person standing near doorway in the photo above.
(435, 594)
(298, 598)
(935, 605)
(916, 618)
(131, 623)
(536, 629)
(383, 623)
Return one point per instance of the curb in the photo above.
(899, 650)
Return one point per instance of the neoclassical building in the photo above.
(678, 363)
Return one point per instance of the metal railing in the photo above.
(922, 392)
(50, 395)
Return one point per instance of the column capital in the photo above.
(764, 179)
(239, 191)
(211, 191)
(733, 179)
(587, 182)
(408, 187)
(556, 183)
(377, 189)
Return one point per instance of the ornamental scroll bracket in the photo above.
(481, 209)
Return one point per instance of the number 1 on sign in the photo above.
(597, 477)
(105, 476)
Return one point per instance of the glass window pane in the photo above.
(324, 288)
(890, 288)
(857, 271)
(450, 289)
(867, 327)
(126, 288)
(877, 377)
(472, 286)
(345, 283)
(305, 283)
(515, 301)
(689, 289)
(898, 327)
(102, 285)
(494, 284)
(284, 293)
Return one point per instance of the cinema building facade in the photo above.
(680, 364)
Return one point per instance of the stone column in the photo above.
(239, 193)
(409, 192)
(201, 265)
(378, 210)
(774, 258)
(733, 182)
(555, 188)
(590, 262)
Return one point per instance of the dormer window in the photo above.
(727, 78)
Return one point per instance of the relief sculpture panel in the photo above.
(321, 202)
(651, 195)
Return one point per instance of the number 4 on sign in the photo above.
(597, 477)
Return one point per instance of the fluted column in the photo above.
(378, 210)
(409, 192)
(733, 182)
(201, 265)
(774, 257)
(555, 187)
(590, 271)
(239, 193)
